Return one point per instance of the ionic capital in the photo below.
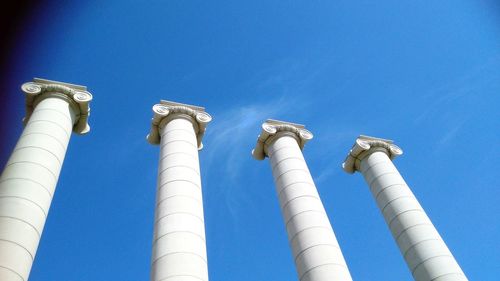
(364, 146)
(77, 96)
(274, 129)
(166, 111)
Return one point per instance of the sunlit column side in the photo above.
(423, 249)
(315, 249)
(28, 182)
(179, 248)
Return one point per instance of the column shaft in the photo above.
(28, 183)
(179, 251)
(423, 249)
(316, 252)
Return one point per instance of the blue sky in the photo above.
(424, 73)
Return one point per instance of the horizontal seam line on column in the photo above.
(177, 213)
(19, 245)
(166, 143)
(386, 187)
(404, 212)
(178, 152)
(167, 182)
(51, 109)
(282, 160)
(35, 163)
(41, 148)
(177, 275)
(409, 227)
(428, 259)
(164, 133)
(307, 211)
(179, 231)
(298, 197)
(26, 199)
(12, 270)
(307, 228)
(180, 166)
(451, 273)
(298, 182)
(21, 220)
(418, 243)
(175, 253)
(392, 200)
(177, 195)
(30, 180)
(281, 148)
(381, 175)
(36, 121)
(321, 265)
(310, 247)
(48, 135)
(195, 186)
(371, 166)
(291, 170)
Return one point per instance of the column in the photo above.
(423, 249)
(179, 248)
(315, 249)
(28, 182)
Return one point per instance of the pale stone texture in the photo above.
(28, 182)
(315, 249)
(179, 248)
(423, 249)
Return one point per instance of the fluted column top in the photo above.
(165, 111)
(274, 129)
(76, 95)
(364, 146)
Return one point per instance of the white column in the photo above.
(28, 182)
(315, 249)
(179, 247)
(423, 249)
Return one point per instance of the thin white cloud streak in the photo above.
(464, 91)
(468, 84)
(233, 134)
(451, 133)
(229, 142)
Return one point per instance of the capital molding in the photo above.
(166, 111)
(274, 129)
(76, 95)
(366, 145)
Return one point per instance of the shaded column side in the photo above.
(28, 183)
(179, 247)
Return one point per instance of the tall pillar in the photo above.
(28, 182)
(179, 248)
(315, 249)
(423, 249)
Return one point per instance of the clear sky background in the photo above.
(424, 73)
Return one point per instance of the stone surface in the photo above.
(179, 247)
(423, 249)
(28, 182)
(315, 249)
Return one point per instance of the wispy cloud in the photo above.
(227, 136)
(464, 86)
(233, 133)
(451, 133)
(452, 108)
(231, 140)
